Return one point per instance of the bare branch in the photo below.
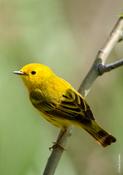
(115, 36)
(95, 71)
(57, 152)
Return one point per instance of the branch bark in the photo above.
(98, 68)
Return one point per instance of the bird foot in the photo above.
(55, 146)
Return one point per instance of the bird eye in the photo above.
(33, 72)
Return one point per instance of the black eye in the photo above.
(33, 72)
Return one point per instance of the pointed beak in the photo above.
(19, 73)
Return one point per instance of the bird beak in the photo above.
(19, 72)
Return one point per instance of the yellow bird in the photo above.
(60, 103)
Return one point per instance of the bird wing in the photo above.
(71, 107)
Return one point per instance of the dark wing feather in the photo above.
(40, 101)
(76, 106)
(72, 106)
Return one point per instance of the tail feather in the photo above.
(102, 137)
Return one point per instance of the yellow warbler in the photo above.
(60, 103)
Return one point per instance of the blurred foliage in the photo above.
(65, 35)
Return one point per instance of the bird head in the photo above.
(34, 74)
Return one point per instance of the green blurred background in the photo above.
(66, 36)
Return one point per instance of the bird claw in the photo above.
(56, 145)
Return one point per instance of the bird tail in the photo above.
(102, 137)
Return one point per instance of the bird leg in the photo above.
(58, 144)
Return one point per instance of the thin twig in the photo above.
(108, 67)
(84, 89)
